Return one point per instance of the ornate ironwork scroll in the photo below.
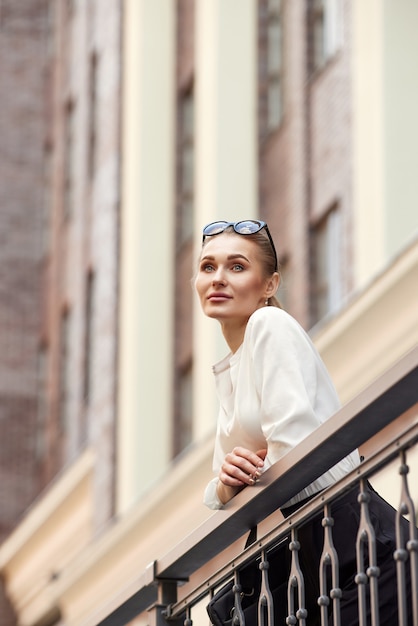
(366, 575)
(265, 602)
(296, 585)
(406, 549)
(238, 616)
(329, 561)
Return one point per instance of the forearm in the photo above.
(225, 493)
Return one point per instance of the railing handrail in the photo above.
(215, 573)
(391, 395)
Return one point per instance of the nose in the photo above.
(218, 278)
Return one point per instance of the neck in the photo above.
(234, 335)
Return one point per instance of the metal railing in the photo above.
(216, 552)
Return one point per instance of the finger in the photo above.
(241, 463)
(262, 453)
(233, 474)
(228, 478)
(256, 459)
(237, 471)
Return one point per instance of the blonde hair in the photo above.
(268, 260)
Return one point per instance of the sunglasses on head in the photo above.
(244, 227)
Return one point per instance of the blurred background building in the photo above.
(125, 126)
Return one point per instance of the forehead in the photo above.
(230, 243)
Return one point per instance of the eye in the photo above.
(237, 267)
(206, 267)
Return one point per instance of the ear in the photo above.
(272, 284)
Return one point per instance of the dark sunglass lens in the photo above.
(215, 228)
(248, 227)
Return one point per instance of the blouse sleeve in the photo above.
(296, 392)
(210, 497)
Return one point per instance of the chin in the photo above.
(214, 313)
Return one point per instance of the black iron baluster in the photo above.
(406, 507)
(296, 584)
(161, 610)
(366, 535)
(188, 620)
(238, 618)
(265, 601)
(329, 559)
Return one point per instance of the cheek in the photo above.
(253, 292)
(199, 284)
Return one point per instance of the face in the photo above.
(230, 282)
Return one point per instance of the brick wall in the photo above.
(330, 123)
(22, 67)
(305, 164)
(283, 162)
(185, 76)
(84, 242)
(47, 256)
(23, 41)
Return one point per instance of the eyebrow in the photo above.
(230, 257)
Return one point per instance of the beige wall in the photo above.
(368, 141)
(146, 335)
(400, 97)
(226, 179)
(385, 125)
(375, 330)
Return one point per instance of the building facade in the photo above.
(129, 125)
(22, 219)
(60, 212)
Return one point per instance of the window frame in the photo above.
(326, 267)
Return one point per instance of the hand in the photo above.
(240, 468)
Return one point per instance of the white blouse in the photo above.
(273, 392)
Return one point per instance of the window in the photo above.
(274, 64)
(67, 25)
(183, 423)
(92, 114)
(64, 366)
(325, 31)
(186, 166)
(326, 265)
(69, 161)
(46, 200)
(282, 293)
(88, 336)
(271, 66)
(42, 408)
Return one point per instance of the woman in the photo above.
(273, 390)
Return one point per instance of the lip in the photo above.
(219, 296)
